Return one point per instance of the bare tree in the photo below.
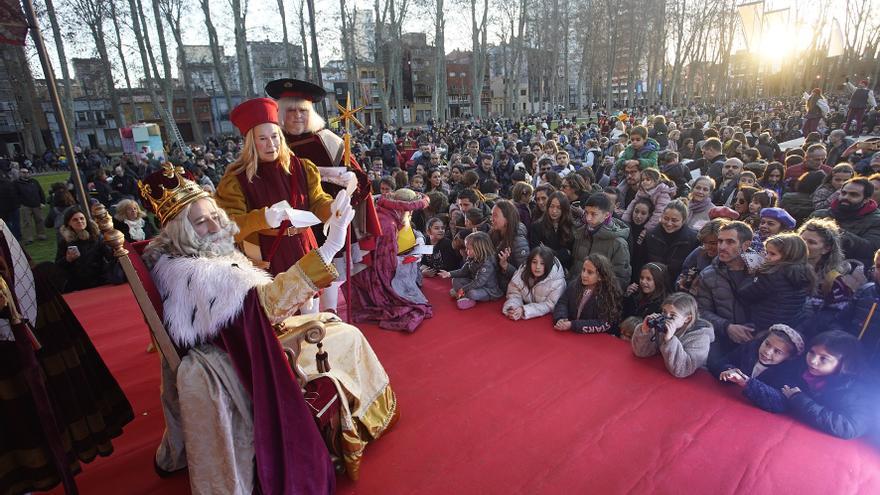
(288, 52)
(439, 105)
(316, 59)
(115, 17)
(13, 61)
(65, 71)
(478, 56)
(239, 22)
(388, 53)
(305, 45)
(214, 43)
(172, 9)
(348, 50)
(93, 13)
(167, 85)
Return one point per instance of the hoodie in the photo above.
(609, 240)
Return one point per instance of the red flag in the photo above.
(13, 27)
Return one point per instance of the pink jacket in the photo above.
(660, 196)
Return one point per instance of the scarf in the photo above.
(136, 229)
(839, 213)
(698, 207)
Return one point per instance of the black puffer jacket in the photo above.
(669, 249)
(777, 297)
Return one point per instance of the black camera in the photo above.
(658, 325)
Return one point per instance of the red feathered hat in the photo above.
(251, 113)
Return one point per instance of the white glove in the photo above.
(336, 226)
(346, 179)
(277, 213)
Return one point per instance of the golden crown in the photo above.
(167, 192)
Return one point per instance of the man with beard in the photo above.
(233, 398)
(730, 179)
(858, 217)
(306, 136)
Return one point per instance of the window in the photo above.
(82, 116)
(522, 92)
(139, 112)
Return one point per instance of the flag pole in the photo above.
(37, 36)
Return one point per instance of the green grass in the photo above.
(45, 250)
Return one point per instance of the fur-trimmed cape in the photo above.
(202, 295)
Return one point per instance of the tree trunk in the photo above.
(350, 58)
(478, 57)
(67, 95)
(288, 52)
(215, 54)
(438, 95)
(239, 16)
(97, 30)
(305, 44)
(172, 15)
(139, 36)
(167, 85)
(316, 59)
(122, 58)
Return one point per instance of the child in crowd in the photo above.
(521, 195)
(644, 298)
(590, 302)
(656, 188)
(444, 257)
(641, 212)
(536, 286)
(827, 390)
(764, 198)
(474, 221)
(760, 357)
(678, 334)
(477, 280)
(778, 292)
(747, 178)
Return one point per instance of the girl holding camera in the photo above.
(677, 333)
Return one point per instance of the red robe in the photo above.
(366, 223)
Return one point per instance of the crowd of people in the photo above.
(689, 232)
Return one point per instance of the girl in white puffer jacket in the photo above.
(535, 287)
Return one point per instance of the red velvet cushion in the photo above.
(135, 251)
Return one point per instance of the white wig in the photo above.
(315, 124)
(179, 238)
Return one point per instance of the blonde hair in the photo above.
(684, 302)
(482, 245)
(249, 159)
(123, 205)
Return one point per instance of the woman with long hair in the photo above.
(555, 228)
(264, 175)
(509, 236)
(837, 278)
(813, 110)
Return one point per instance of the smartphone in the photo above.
(72, 249)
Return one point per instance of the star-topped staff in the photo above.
(346, 117)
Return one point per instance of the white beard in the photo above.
(221, 243)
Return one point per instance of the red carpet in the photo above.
(492, 406)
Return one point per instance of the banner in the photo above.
(750, 15)
(835, 43)
(13, 27)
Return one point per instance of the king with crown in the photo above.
(235, 415)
